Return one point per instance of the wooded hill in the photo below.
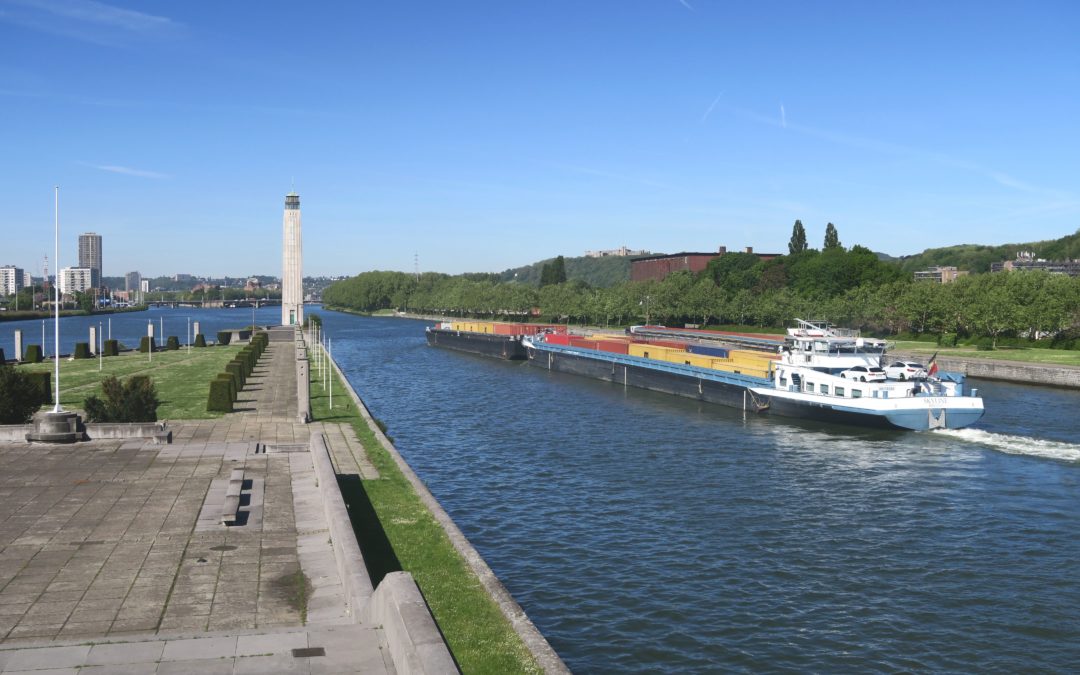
(596, 272)
(977, 258)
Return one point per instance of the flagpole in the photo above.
(56, 305)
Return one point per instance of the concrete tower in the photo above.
(292, 258)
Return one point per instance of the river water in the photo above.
(128, 327)
(647, 533)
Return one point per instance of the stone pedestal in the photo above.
(56, 427)
(18, 345)
(196, 326)
(93, 340)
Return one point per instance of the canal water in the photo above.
(647, 533)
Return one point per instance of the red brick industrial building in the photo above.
(659, 266)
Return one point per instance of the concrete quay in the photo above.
(114, 557)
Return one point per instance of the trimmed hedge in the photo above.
(173, 343)
(228, 377)
(82, 350)
(33, 354)
(43, 384)
(223, 337)
(146, 344)
(220, 398)
(238, 369)
(2, 359)
(200, 341)
(112, 348)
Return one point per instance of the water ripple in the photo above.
(646, 533)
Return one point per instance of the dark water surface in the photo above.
(128, 327)
(643, 532)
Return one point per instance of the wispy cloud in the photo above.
(88, 20)
(126, 170)
(687, 5)
(712, 106)
(886, 147)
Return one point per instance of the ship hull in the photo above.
(742, 393)
(506, 347)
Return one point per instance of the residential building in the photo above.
(940, 275)
(76, 280)
(659, 266)
(621, 252)
(12, 279)
(1026, 260)
(90, 256)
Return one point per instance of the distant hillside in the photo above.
(978, 257)
(597, 272)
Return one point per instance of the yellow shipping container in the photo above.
(651, 351)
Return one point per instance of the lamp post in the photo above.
(99, 345)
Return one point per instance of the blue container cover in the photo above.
(718, 352)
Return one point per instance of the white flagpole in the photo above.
(56, 305)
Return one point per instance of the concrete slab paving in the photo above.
(102, 567)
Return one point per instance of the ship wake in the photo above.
(1017, 445)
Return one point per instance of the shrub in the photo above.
(43, 384)
(82, 350)
(984, 344)
(19, 396)
(112, 348)
(146, 344)
(173, 343)
(200, 340)
(238, 368)
(223, 337)
(133, 400)
(2, 359)
(228, 377)
(33, 354)
(220, 399)
(237, 384)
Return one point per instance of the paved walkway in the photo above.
(113, 557)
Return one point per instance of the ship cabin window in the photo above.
(646, 354)
(839, 391)
(783, 381)
(824, 389)
(810, 387)
(856, 393)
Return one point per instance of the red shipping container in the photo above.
(557, 339)
(613, 346)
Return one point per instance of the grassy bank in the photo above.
(397, 532)
(182, 380)
(1049, 357)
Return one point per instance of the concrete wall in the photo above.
(1011, 371)
(412, 636)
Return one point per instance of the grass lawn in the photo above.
(1050, 357)
(182, 380)
(397, 532)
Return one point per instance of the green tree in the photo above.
(797, 244)
(19, 397)
(832, 239)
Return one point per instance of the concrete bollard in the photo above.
(303, 391)
(196, 326)
(93, 340)
(18, 345)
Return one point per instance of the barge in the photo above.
(815, 373)
(487, 338)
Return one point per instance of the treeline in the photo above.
(848, 287)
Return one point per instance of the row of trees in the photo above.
(1034, 304)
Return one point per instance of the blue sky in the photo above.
(486, 135)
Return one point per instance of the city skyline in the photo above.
(487, 136)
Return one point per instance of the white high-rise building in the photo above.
(11, 279)
(75, 280)
(292, 259)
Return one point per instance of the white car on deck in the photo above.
(864, 374)
(905, 370)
